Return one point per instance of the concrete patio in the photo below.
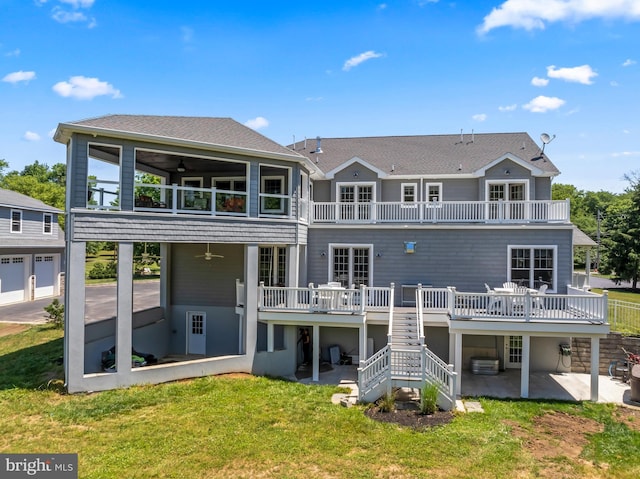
(506, 385)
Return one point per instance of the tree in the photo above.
(622, 223)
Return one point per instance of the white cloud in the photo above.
(13, 53)
(581, 74)
(63, 16)
(542, 104)
(628, 62)
(479, 117)
(358, 59)
(508, 107)
(613, 83)
(257, 123)
(79, 3)
(625, 154)
(19, 76)
(314, 98)
(536, 14)
(537, 81)
(83, 88)
(187, 34)
(31, 136)
(382, 6)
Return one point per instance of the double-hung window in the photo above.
(47, 223)
(533, 266)
(433, 192)
(272, 265)
(16, 221)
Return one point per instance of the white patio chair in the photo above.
(538, 300)
(494, 303)
(509, 285)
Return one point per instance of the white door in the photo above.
(196, 332)
(45, 273)
(513, 352)
(13, 279)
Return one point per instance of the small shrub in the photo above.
(387, 403)
(102, 271)
(429, 399)
(55, 313)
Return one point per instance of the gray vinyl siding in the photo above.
(32, 229)
(171, 229)
(462, 257)
(543, 188)
(322, 191)
(199, 282)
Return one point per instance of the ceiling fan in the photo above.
(208, 255)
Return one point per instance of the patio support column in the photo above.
(249, 329)
(524, 370)
(457, 362)
(293, 257)
(124, 311)
(269, 337)
(74, 293)
(362, 336)
(595, 368)
(315, 353)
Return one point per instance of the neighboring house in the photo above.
(31, 249)
(381, 247)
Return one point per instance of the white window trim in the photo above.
(11, 222)
(552, 288)
(415, 192)
(507, 183)
(262, 188)
(120, 173)
(333, 246)
(356, 184)
(44, 223)
(430, 204)
(231, 179)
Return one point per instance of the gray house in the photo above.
(31, 249)
(416, 258)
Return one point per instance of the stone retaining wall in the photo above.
(610, 350)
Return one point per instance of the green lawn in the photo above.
(244, 426)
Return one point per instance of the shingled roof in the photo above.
(209, 131)
(427, 154)
(13, 199)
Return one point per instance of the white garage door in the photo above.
(45, 272)
(13, 279)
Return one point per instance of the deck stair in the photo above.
(406, 362)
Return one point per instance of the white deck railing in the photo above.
(529, 307)
(537, 211)
(325, 299)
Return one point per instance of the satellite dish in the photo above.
(208, 255)
(545, 138)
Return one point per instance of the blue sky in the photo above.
(334, 69)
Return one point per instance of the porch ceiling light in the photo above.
(181, 168)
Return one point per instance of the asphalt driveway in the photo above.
(100, 303)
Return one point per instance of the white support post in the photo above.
(269, 337)
(595, 368)
(250, 325)
(74, 293)
(457, 353)
(293, 268)
(524, 370)
(362, 337)
(315, 350)
(124, 315)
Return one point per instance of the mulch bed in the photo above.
(410, 417)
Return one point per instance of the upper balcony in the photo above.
(541, 211)
(188, 200)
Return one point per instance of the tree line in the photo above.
(610, 219)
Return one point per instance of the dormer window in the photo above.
(47, 223)
(16, 221)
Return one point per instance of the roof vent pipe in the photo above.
(472, 136)
(461, 137)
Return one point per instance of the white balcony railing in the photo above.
(539, 211)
